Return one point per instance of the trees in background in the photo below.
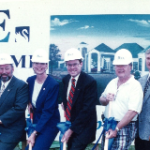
(54, 57)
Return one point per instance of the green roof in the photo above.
(134, 48)
(104, 48)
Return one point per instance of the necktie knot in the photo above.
(73, 80)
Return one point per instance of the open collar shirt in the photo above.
(5, 83)
(128, 96)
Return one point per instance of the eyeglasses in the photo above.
(39, 63)
(72, 65)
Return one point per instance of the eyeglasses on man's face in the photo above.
(72, 65)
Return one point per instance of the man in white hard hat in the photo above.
(79, 99)
(13, 102)
(142, 141)
(125, 94)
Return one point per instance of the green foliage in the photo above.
(137, 75)
(54, 57)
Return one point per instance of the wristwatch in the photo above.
(117, 129)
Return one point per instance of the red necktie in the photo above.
(69, 103)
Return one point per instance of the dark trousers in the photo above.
(141, 144)
(7, 146)
(75, 144)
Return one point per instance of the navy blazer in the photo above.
(13, 103)
(83, 112)
(144, 117)
(46, 114)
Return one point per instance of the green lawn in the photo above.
(89, 147)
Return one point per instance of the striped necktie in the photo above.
(2, 90)
(69, 103)
(147, 85)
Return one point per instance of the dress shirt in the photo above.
(70, 83)
(5, 83)
(36, 91)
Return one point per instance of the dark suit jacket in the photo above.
(13, 103)
(83, 112)
(46, 114)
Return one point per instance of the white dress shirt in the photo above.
(36, 91)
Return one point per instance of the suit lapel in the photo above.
(66, 83)
(143, 83)
(7, 90)
(31, 87)
(43, 89)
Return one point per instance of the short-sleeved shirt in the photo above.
(128, 96)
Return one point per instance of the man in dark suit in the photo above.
(13, 102)
(142, 142)
(79, 99)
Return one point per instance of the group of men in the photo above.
(130, 99)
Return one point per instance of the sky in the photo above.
(67, 31)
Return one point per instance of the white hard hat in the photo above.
(73, 54)
(40, 56)
(5, 59)
(123, 57)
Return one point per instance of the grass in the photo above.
(89, 147)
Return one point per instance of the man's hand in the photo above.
(105, 100)
(62, 106)
(111, 134)
(31, 139)
(0, 122)
(149, 138)
(67, 135)
(110, 97)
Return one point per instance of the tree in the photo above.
(54, 57)
(137, 74)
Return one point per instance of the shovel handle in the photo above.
(30, 146)
(109, 113)
(64, 146)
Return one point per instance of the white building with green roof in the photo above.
(141, 61)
